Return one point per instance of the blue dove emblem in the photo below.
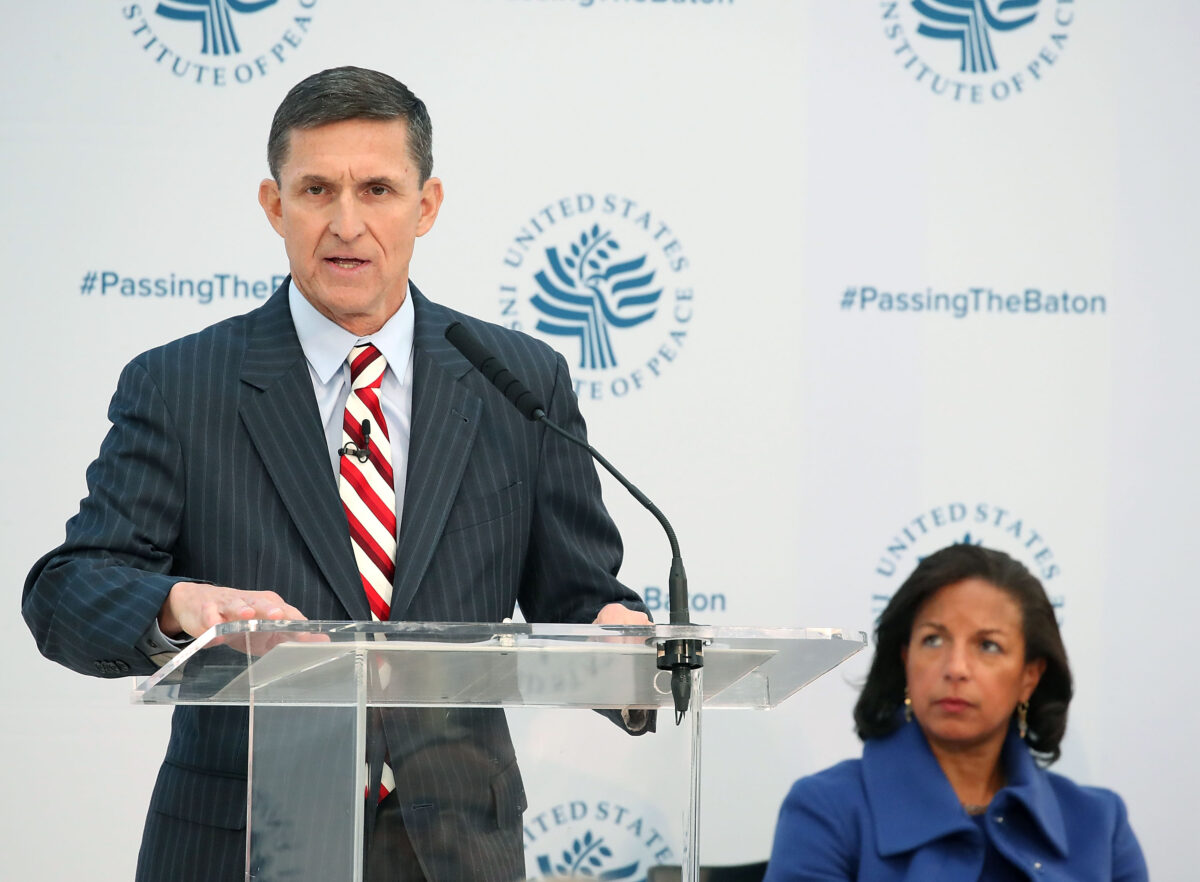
(585, 859)
(216, 19)
(970, 22)
(589, 292)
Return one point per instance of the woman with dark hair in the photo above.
(964, 707)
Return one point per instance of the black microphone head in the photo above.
(493, 369)
(468, 344)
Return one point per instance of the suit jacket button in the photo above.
(108, 666)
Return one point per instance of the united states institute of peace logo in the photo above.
(978, 51)
(603, 839)
(219, 42)
(604, 280)
(980, 522)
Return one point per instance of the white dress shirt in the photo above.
(326, 346)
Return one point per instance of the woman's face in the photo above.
(965, 664)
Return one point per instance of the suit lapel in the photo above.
(445, 419)
(280, 415)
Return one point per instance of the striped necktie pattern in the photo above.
(368, 492)
(366, 484)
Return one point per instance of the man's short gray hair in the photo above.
(346, 93)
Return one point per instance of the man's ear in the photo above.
(431, 202)
(272, 204)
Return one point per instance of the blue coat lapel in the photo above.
(280, 415)
(914, 805)
(911, 801)
(445, 419)
(1031, 787)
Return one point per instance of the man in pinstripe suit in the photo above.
(215, 497)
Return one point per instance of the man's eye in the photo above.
(314, 190)
(378, 190)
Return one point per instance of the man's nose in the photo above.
(347, 220)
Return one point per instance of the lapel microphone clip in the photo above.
(363, 453)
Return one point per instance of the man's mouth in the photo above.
(345, 262)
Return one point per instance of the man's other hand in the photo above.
(618, 614)
(192, 608)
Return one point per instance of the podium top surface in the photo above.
(488, 665)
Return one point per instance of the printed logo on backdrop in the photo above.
(971, 300)
(956, 523)
(598, 838)
(116, 286)
(978, 51)
(219, 42)
(604, 280)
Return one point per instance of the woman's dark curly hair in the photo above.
(876, 713)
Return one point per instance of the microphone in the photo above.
(677, 655)
(362, 454)
(494, 370)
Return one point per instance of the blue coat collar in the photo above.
(913, 803)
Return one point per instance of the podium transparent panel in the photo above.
(509, 745)
(303, 815)
(489, 665)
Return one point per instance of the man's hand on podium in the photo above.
(193, 607)
(616, 614)
(635, 721)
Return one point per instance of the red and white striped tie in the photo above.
(368, 492)
(366, 487)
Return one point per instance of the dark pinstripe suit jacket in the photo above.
(216, 470)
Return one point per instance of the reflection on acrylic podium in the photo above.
(320, 694)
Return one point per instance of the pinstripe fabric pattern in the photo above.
(215, 469)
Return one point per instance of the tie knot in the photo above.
(366, 367)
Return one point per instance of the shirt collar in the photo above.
(326, 344)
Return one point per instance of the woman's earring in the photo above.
(908, 707)
(1022, 722)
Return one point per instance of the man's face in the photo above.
(349, 207)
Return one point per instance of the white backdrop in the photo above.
(789, 169)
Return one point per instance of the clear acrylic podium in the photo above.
(311, 688)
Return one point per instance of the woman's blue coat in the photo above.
(894, 816)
